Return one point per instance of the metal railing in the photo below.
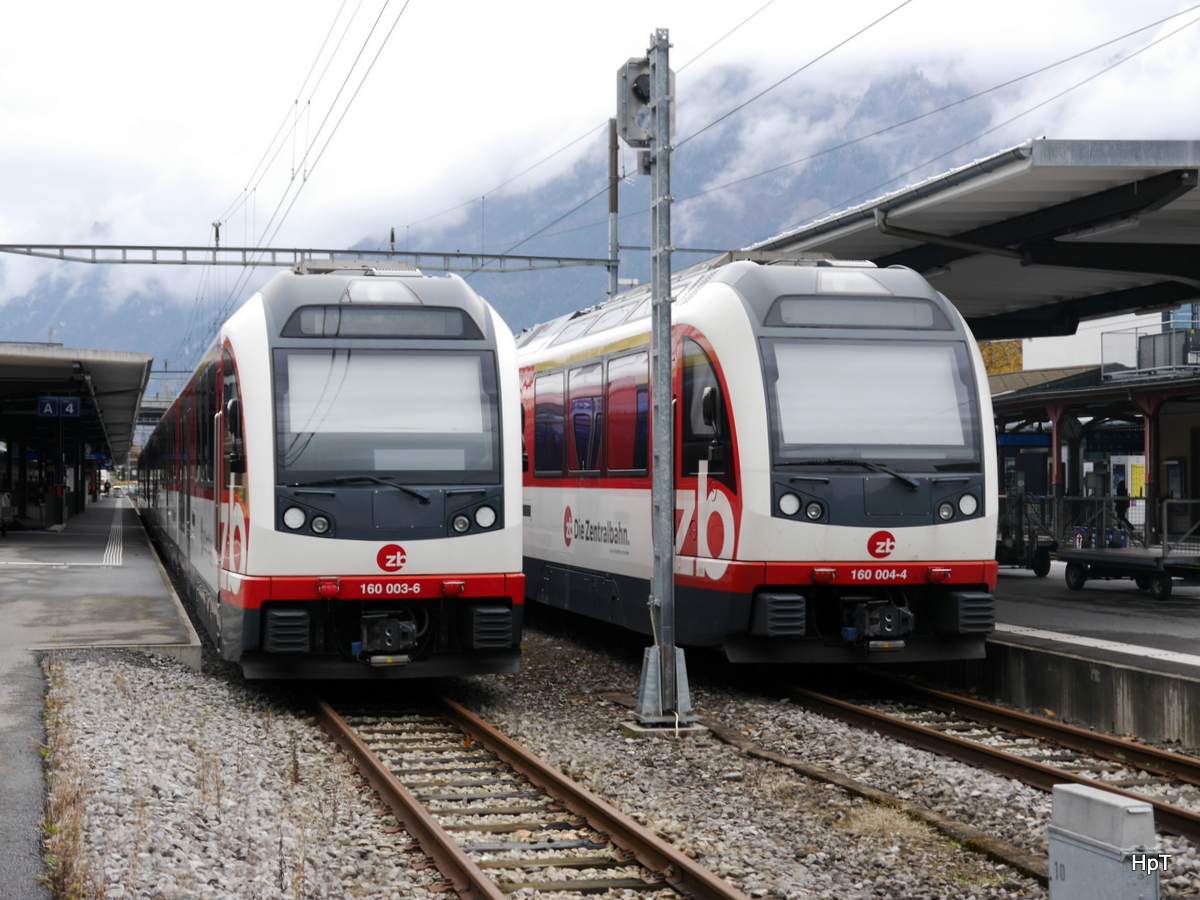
(1101, 522)
(1025, 524)
(1180, 527)
(1150, 350)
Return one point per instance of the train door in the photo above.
(187, 471)
(706, 488)
(230, 496)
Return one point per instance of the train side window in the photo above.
(206, 408)
(235, 448)
(628, 409)
(586, 388)
(705, 415)
(548, 424)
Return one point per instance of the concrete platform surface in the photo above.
(1112, 612)
(1108, 656)
(95, 583)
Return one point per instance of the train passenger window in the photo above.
(548, 424)
(705, 416)
(206, 408)
(586, 388)
(234, 453)
(628, 426)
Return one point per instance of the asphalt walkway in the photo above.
(95, 583)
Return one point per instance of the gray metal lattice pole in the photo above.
(663, 581)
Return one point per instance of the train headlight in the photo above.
(946, 511)
(319, 525)
(968, 504)
(485, 517)
(814, 511)
(460, 523)
(789, 504)
(294, 517)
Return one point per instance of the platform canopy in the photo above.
(107, 386)
(1030, 241)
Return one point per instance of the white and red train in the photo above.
(337, 482)
(835, 484)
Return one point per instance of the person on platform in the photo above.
(1122, 504)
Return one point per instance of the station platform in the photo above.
(94, 582)
(1108, 656)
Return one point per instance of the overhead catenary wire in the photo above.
(788, 77)
(581, 137)
(244, 278)
(864, 137)
(1003, 124)
(248, 196)
(725, 35)
(259, 171)
(524, 240)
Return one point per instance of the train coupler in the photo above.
(386, 634)
(879, 625)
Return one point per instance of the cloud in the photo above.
(143, 123)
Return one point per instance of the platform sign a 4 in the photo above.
(58, 407)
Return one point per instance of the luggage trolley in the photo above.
(1104, 553)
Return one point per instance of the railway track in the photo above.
(495, 819)
(1036, 751)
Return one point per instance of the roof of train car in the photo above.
(634, 305)
(1032, 240)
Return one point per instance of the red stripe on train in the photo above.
(250, 592)
(744, 577)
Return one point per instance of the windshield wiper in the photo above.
(912, 483)
(423, 496)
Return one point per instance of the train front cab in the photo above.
(340, 543)
(874, 541)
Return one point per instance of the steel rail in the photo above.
(1151, 759)
(467, 879)
(683, 874)
(1167, 817)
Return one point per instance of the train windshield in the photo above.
(911, 403)
(422, 416)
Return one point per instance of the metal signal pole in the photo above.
(614, 179)
(645, 112)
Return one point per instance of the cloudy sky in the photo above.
(145, 122)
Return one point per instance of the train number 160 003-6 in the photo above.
(378, 588)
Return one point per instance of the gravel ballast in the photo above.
(170, 783)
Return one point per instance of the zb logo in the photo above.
(881, 544)
(391, 558)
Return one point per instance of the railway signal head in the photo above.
(634, 117)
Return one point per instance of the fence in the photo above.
(1101, 522)
(1180, 525)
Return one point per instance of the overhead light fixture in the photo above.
(936, 271)
(1106, 228)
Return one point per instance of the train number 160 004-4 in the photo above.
(879, 574)
(378, 588)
